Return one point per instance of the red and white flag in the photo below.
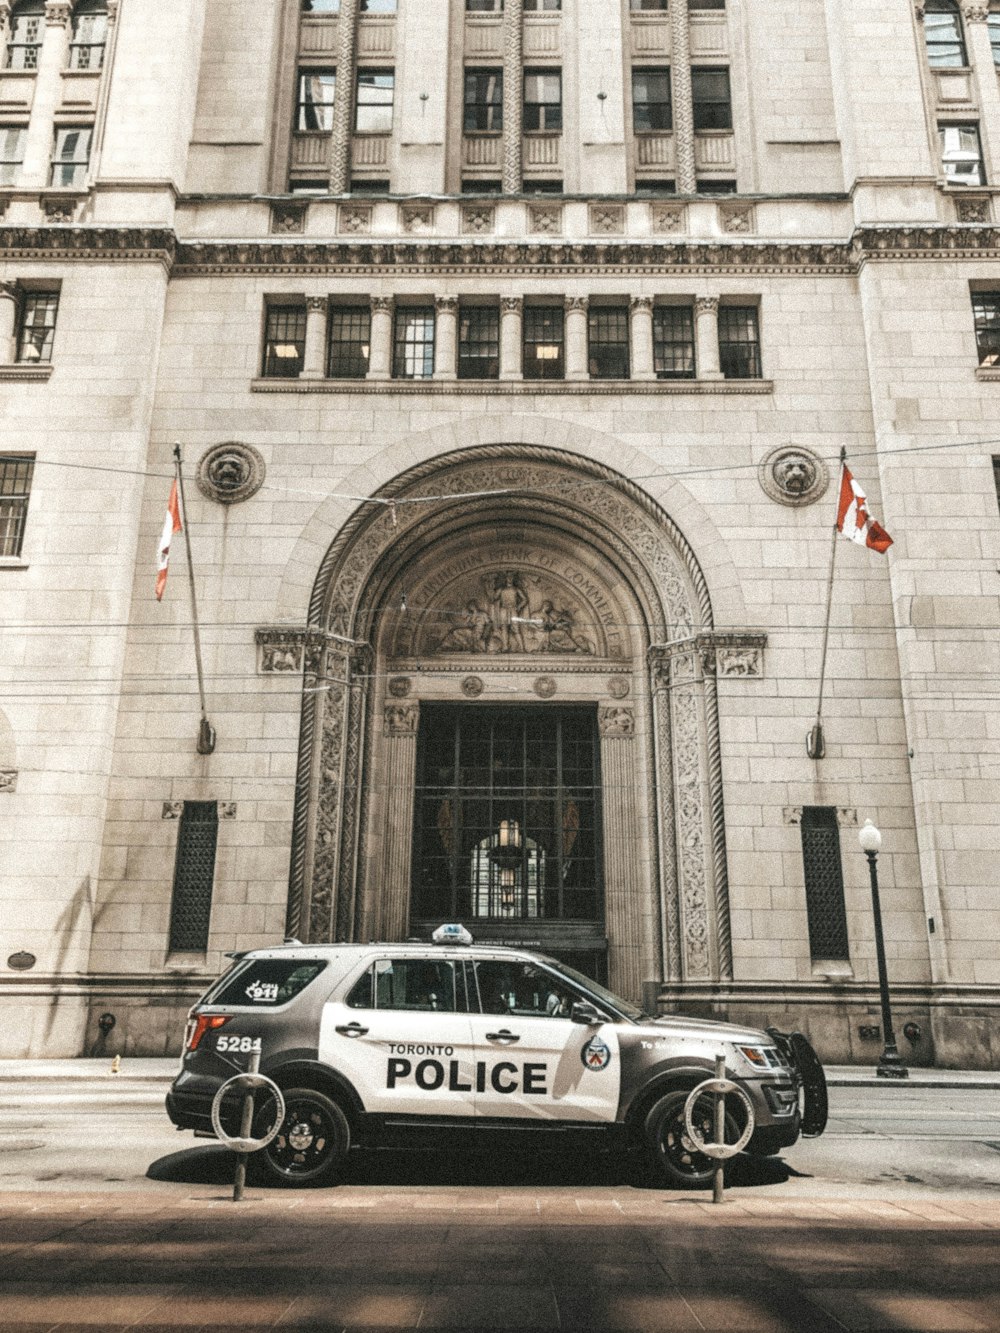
(853, 519)
(171, 524)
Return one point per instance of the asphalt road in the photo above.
(886, 1142)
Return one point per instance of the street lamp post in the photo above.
(890, 1065)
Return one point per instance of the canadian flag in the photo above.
(853, 518)
(171, 524)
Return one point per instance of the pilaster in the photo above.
(511, 310)
(343, 98)
(8, 323)
(617, 727)
(38, 145)
(683, 104)
(380, 360)
(445, 337)
(641, 332)
(576, 338)
(977, 37)
(513, 95)
(400, 723)
(312, 366)
(706, 313)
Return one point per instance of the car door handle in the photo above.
(503, 1035)
(351, 1030)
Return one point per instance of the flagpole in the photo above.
(815, 742)
(206, 732)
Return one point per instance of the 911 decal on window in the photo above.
(264, 983)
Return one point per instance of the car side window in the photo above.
(415, 984)
(523, 990)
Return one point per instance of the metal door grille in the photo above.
(191, 905)
(824, 883)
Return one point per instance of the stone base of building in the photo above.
(959, 1026)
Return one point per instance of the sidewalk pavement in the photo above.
(164, 1070)
(522, 1259)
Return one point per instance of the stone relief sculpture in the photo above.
(506, 618)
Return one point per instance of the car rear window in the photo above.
(267, 982)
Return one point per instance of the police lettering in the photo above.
(504, 1077)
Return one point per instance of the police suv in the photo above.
(373, 1043)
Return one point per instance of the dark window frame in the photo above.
(986, 322)
(23, 49)
(952, 178)
(191, 895)
(14, 138)
(284, 325)
(543, 326)
(739, 342)
(479, 347)
(545, 116)
(711, 113)
(16, 475)
(945, 36)
(408, 348)
(674, 344)
(656, 114)
(482, 114)
(70, 172)
(484, 6)
(375, 105)
(608, 355)
(307, 108)
(89, 35)
(38, 311)
(348, 333)
(823, 876)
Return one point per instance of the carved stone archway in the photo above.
(620, 614)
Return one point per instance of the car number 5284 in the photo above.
(244, 1045)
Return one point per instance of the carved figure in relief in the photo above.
(510, 603)
(558, 631)
(473, 633)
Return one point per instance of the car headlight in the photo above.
(761, 1057)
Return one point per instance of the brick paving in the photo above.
(603, 1258)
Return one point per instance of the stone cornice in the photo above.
(513, 388)
(483, 258)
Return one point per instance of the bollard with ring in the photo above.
(720, 1151)
(249, 1083)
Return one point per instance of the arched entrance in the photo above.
(535, 586)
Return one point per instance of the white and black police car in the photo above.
(388, 1044)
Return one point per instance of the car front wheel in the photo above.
(312, 1142)
(670, 1150)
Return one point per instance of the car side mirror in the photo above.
(585, 1013)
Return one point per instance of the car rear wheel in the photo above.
(311, 1144)
(671, 1152)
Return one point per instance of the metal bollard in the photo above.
(720, 1087)
(246, 1124)
(718, 1181)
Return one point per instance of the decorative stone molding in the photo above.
(847, 816)
(227, 809)
(737, 219)
(472, 687)
(382, 305)
(8, 780)
(793, 475)
(400, 686)
(619, 687)
(416, 218)
(544, 687)
(446, 305)
(545, 218)
(4, 205)
(641, 303)
(512, 305)
(737, 653)
(401, 719)
(354, 219)
(57, 13)
(976, 209)
(282, 649)
(288, 218)
(59, 210)
(975, 12)
(607, 219)
(172, 810)
(668, 218)
(513, 101)
(577, 304)
(230, 473)
(478, 218)
(682, 98)
(706, 305)
(616, 720)
(122, 244)
(338, 161)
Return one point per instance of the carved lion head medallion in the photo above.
(229, 473)
(794, 475)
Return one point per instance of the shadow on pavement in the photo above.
(214, 1165)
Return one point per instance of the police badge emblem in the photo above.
(596, 1054)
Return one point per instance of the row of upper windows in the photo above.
(27, 31)
(70, 154)
(492, 6)
(542, 100)
(543, 342)
(944, 35)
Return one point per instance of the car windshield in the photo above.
(599, 992)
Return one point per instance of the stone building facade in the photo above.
(510, 350)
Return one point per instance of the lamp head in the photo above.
(869, 837)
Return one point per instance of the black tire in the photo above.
(311, 1144)
(674, 1159)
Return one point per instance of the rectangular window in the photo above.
(15, 486)
(824, 882)
(531, 6)
(359, 185)
(377, 6)
(36, 326)
(71, 157)
(608, 343)
(321, 6)
(993, 26)
(706, 4)
(373, 113)
(544, 342)
(646, 189)
(350, 340)
(25, 40)
(739, 342)
(90, 34)
(542, 187)
(284, 342)
(715, 187)
(713, 107)
(480, 187)
(961, 154)
(315, 104)
(986, 311)
(673, 342)
(413, 349)
(996, 478)
(478, 342)
(12, 139)
(483, 101)
(651, 100)
(543, 99)
(194, 872)
(484, 6)
(641, 5)
(943, 36)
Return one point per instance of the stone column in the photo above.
(621, 838)
(380, 356)
(706, 313)
(577, 346)
(4, 23)
(343, 98)
(977, 36)
(642, 338)
(446, 337)
(312, 362)
(659, 664)
(8, 323)
(48, 86)
(513, 94)
(680, 91)
(400, 742)
(510, 337)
